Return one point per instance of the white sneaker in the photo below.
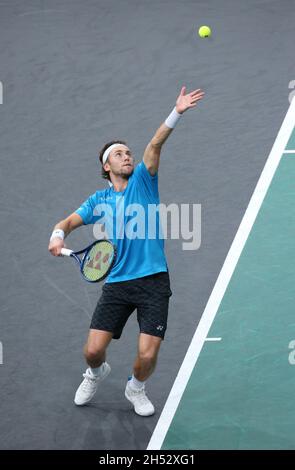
(142, 405)
(88, 387)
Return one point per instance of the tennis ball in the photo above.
(204, 31)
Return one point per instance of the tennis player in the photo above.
(139, 278)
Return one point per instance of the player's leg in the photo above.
(152, 313)
(145, 362)
(144, 365)
(98, 370)
(108, 321)
(95, 348)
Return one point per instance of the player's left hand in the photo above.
(189, 100)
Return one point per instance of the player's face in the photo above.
(120, 161)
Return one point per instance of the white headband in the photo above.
(107, 152)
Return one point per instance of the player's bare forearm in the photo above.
(69, 224)
(161, 136)
(63, 225)
(152, 152)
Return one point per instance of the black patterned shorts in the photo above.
(149, 295)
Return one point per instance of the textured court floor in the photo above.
(76, 74)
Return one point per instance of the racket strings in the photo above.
(98, 260)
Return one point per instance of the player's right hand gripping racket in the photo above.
(97, 260)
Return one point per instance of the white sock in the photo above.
(96, 370)
(136, 384)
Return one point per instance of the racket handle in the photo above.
(66, 252)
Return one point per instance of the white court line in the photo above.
(213, 339)
(222, 282)
(289, 151)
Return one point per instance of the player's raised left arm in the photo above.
(152, 152)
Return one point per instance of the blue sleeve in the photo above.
(86, 210)
(149, 182)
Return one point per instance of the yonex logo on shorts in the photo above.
(134, 221)
(160, 328)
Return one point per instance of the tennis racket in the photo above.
(97, 260)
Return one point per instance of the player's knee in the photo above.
(92, 352)
(148, 358)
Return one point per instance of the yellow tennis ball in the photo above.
(204, 31)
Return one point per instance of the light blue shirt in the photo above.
(131, 220)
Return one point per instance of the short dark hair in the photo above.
(105, 174)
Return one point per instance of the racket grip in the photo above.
(66, 252)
